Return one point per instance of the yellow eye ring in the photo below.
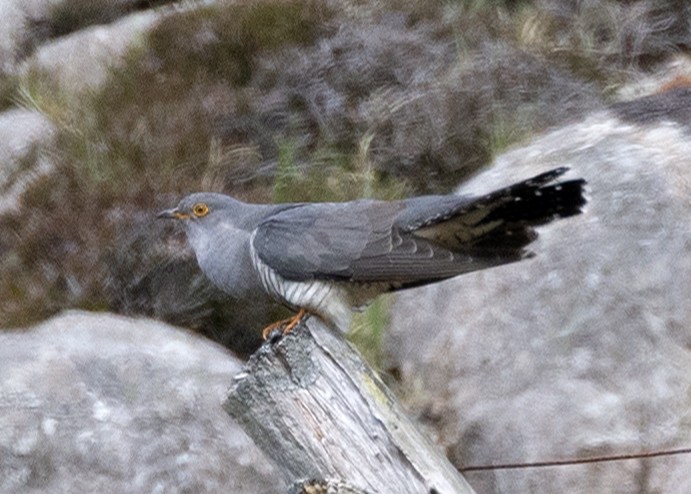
(200, 209)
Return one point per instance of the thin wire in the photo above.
(558, 463)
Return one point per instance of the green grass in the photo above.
(219, 42)
(368, 328)
(506, 132)
(9, 86)
(37, 91)
(330, 175)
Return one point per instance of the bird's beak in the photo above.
(173, 214)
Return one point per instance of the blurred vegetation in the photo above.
(367, 331)
(8, 92)
(291, 101)
(68, 16)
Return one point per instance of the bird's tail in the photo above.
(515, 210)
(536, 201)
(500, 224)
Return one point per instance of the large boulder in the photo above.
(585, 350)
(27, 24)
(83, 59)
(26, 137)
(102, 403)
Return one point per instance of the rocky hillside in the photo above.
(112, 110)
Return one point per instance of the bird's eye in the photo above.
(200, 209)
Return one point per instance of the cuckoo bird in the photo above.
(329, 259)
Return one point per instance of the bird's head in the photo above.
(207, 213)
(196, 207)
(201, 210)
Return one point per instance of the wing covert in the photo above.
(357, 242)
(323, 240)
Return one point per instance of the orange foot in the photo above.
(287, 325)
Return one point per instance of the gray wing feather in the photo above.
(357, 241)
(322, 240)
(417, 241)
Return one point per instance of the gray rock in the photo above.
(673, 105)
(14, 30)
(584, 350)
(25, 24)
(25, 138)
(81, 60)
(101, 403)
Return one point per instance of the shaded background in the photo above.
(112, 110)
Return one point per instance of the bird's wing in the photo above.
(417, 241)
(355, 241)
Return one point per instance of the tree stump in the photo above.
(319, 412)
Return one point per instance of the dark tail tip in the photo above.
(537, 201)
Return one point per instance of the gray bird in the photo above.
(329, 259)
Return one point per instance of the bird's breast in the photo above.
(328, 300)
(225, 259)
(331, 300)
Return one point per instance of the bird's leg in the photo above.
(295, 321)
(287, 324)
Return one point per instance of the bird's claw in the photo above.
(285, 326)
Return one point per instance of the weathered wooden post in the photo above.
(318, 411)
